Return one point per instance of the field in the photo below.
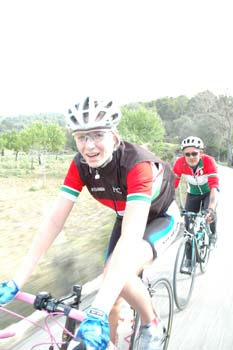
(26, 195)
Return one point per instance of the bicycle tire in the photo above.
(203, 250)
(183, 282)
(162, 299)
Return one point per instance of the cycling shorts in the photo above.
(160, 232)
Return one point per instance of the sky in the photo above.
(53, 52)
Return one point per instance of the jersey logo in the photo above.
(116, 190)
(97, 189)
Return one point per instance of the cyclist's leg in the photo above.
(193, 203)
(136, 294)
(115, 235)
(162, 231)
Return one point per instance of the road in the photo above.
(206, 322)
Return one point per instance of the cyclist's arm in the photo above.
(214, 194)
(177, 170)
(127, 256)
(213, 181)
(49, 230)
(177, 173)
(178, 197)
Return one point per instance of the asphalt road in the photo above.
(206, 323)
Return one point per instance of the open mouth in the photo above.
(92, 155)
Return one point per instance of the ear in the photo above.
(116, 138)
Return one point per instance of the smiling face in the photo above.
(192, 155)
(96, 146)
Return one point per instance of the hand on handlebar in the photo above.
(8, 291)
(210, 215)
(94, 330)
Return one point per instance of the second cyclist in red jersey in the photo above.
(201, 175)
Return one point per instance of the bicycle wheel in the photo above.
(203, 250)
(182, 281)
(163, 304)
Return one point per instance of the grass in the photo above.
(26, 196)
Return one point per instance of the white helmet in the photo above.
(192, 141)
(93, 114)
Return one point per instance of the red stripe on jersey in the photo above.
(140, 179)
(73, 178)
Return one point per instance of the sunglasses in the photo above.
(189, 154)
(96, 137)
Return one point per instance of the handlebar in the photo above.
(190, 214)
(44, 301)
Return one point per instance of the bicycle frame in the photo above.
(196, 231)
(194, 246)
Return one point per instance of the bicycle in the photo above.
(68, 306)
(197, 239)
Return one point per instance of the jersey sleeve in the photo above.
(73, 184)
(212, 172)
(144, 182)
(177, 172)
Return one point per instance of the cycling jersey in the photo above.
(133, 174)
(200, 181)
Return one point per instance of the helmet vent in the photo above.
(100, 115)
(74, 120)
(86, 117)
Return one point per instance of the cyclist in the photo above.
(138, 186)
(201, 175)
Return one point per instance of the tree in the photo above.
(170, 110)
(2, 145)
(214, 119)
(12, 141)
(56, 138)
(143, 127)
(225, 104)
(44, 137)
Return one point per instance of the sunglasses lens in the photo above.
(193, 154)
